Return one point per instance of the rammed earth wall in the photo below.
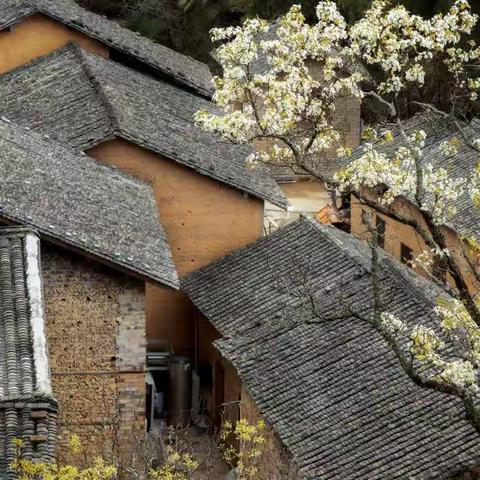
(96, 332)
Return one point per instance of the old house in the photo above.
(307, 195)
(28, 410)
(32, 28)
(334, 394)
(462, 230)
(209, 202)
(101, 242)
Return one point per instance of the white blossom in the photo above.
(287, 111)
(374, 169)
(448, 148)
(473, 186)
(476, 144)
(461, 374)
(425, 343)
(391, 323)
(424, 259)
(415, 74)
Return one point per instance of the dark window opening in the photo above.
(140, 66)
(345, 201)
(439, 270)
(406, 254)
(380, 225)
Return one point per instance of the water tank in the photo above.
(180, 393)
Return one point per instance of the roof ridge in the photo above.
(18, 230)
(118, 101)
(466, 220)
(97, 86)
(259, 241)
(40, 3)
(133, 192)
(38, 60)
(72, 151)
(79, 18)
(321, 228)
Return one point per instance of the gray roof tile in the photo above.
(19, 376)
(25, 383)
(180, 68)
(82, 99)
(466, 221)
(17, 422)
(70, 198)
(332, 389)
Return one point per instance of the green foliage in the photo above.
(184, 25)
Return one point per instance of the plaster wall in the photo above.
(204, 220)
(39, 35)
(397, 233)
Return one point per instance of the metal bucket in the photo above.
(180, 392)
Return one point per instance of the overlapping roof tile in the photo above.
(72, 199)
(326, 381)
(25, 384)
(81, 99)
(183, 70)
(466, 220)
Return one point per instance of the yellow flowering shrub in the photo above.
(29, 470)
(175, 466)
(251, 440)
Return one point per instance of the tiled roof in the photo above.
(467, 219)
(81, 99)
(72, 199)
(33, 422)
(25, 384)
(180, 68)
(328, 384)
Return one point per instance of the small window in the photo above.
(380, 226)
(406, 254)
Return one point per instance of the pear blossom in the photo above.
(279, 91)
(424, 259)
(461, 374)
(441, 193)
(374, 169)
(426, 346)
(476, 144)
(425, 343)
(418, 137)
(344, 152)
(415, 74)
(448, 148)
(473, 186)
(392, 323)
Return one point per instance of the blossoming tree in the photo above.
(286, 110)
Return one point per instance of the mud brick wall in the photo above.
(275, 462)
(96, 333)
